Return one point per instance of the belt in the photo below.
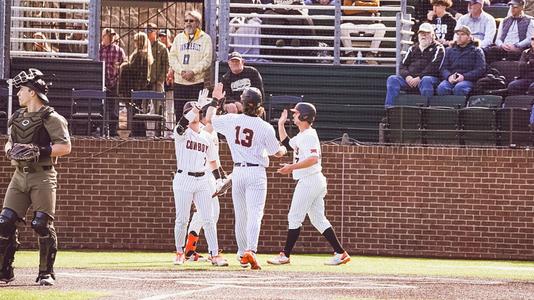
(194, 174)
(245, 165)
(30, 169)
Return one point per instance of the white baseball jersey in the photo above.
(251, 139)
(194, 150)
(306, 144)
(308, 197)
(193, 182)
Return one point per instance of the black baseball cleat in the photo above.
(45, 279)
(7, 275)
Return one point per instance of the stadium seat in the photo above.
(497, 11)
(484, 101)
(478, 126)
(410, 100)
(518, 101)
(440, 126)
(403, 124)
(447, 101)
(87, 112)
(508, 69)
(140, 118)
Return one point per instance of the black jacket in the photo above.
(444, 27)
(422, 63)
(526, 64)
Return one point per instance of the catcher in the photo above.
(38, 134)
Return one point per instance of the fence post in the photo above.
(5, 25)
(337, 32)
(224, 25)
(95, 11)
(398, 40)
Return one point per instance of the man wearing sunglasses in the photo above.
(190, 60)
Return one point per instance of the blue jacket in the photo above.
(468, 61)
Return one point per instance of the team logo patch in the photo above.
(25, 122)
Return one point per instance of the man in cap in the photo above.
(513, 35)
(113, 56)
(190, 61)
(482, 24)
(34, 182)
(237, 79)
(463, 65)
(419, 68)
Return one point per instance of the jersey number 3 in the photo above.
(248, 133)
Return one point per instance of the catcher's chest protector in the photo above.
(30, 129)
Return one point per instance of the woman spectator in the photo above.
(135, 73)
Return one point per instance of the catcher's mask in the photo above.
(33, 79)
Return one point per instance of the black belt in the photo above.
(245, 165)
(194, 174)
(30, 169)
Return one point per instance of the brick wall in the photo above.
(403, 201)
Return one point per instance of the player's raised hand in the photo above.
(283, 118)
(218, 91)
(203, 98)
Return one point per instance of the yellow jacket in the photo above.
(191, 55)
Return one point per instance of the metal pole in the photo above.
(224, 21)
(337, 32)
(93, 48)
(5, 36)
(9, 103)
(398, 38)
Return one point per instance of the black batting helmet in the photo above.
(33, 79)
(306, 110)
(252, 101)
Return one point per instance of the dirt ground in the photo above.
(248, 284)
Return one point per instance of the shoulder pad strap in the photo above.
(47, 112)
(16, 115)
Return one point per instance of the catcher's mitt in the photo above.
(24, 152)
(226, 185)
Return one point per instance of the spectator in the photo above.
(482, 24)
(420, 67)
(190, 60)
(159, 68)
(525, 82)
(41, 46)
(113, 56)
(463, 64)
(237, 79)
(136, 73)
(443, 22)
(378, 30)
(165, 37)
(513, 35)
(77, 36)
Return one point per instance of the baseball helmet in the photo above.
(306, 110)
(33, 79)
(188, 106)
(251, 98)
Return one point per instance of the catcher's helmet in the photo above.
(251, 98)
(33, 79)
(306, 110)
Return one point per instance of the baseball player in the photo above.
(310, 191)
(194, 152)
(250, 140)
(196, 221)
(34, 182)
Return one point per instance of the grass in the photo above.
(8, 294)
(364, 265)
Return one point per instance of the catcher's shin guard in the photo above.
(47, 252)
(191, 244)
(8, 243)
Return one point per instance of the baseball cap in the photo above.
(516, 3)
(109, 31)
(426, 27)
(475, 1)
(162, 32)
(463, 28)
(151, 27)
(235, 55)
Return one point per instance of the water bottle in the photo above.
(359, 58)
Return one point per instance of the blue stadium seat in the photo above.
(140, 117)
(87, 112)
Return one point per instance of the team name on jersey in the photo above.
(190, 46)
(240, 85)
(196, 146)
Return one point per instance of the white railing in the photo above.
(267, 39)
(55, 28)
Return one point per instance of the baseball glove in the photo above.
(24, 152)
(226, 185)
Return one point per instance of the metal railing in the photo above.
(293, 36)
(55, 28)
